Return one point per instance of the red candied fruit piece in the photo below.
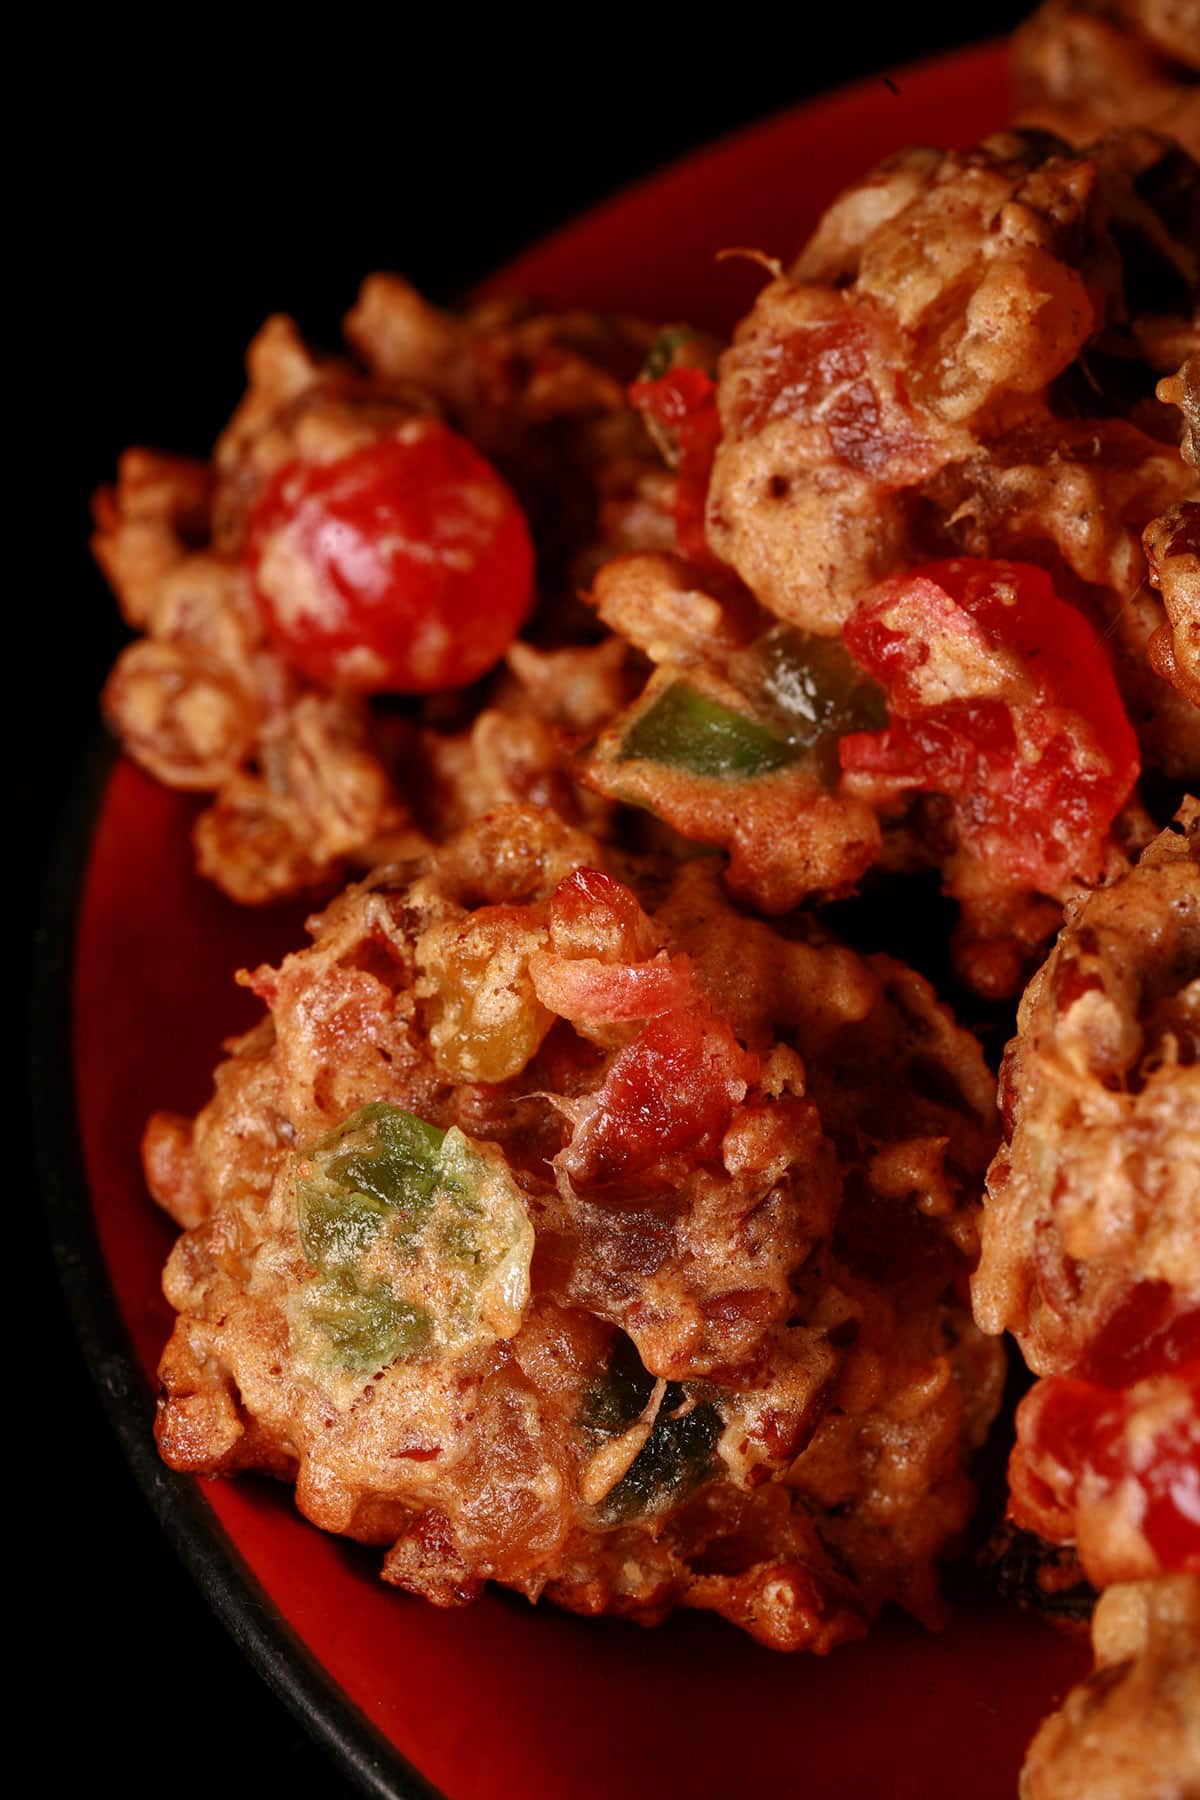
(1074, 1441)
(612, 993)
(684, 403)
(672, 1090)
(1147, 1335)
(1037, 778)
(602, 968)
(402, 567)
(841, 376)
(594, 914)
(1171, 1484)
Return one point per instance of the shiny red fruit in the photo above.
(403, 567)
(1037, 768)
(684, 403)
(1080, 1441)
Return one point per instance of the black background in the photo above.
(208, 184)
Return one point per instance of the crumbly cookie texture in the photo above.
(1133, 1728)
(1098, 1186)
(956, 365)
(562, 1226)
(1082, 68)
(308, 784)
(1172, 546)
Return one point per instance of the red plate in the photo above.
(502, 1699)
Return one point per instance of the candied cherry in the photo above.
(1081, 1436)
(401, 567)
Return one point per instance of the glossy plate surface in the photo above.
(501, 1699)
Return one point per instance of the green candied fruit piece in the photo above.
(387, 1153)
(617, 1395)
(336, 1227)
(677, 344)
(816, 688)
(367, 1328)
(661, 355)
(685, 729)
(676, 1457)
(378, 1163)
(419, 1237)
